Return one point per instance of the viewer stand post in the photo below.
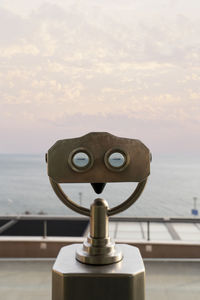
(98, 269)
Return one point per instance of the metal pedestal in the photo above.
(73, 280)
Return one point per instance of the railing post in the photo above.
(148, 230)
(44, 229)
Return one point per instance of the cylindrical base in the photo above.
(99, 259)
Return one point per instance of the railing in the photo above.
(7, 222)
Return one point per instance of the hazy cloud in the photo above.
(62, 59)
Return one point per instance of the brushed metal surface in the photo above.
(98, 249)
(98, 145)
(85, 211)
(73, 280)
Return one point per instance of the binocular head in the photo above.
(98, 158)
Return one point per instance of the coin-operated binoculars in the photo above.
(98, 269)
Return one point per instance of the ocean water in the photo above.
(174, 181)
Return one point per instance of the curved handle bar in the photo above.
(85, 211)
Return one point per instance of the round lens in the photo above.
(116, 160)
(81, 160)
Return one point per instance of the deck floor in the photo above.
(30, 280)
(189, 232)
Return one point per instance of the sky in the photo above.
(128, 67)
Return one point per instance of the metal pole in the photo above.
(7, 225)
(195, 202)
(45, 229)
(148, 230)
(98, 249)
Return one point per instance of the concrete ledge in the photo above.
(49, 247)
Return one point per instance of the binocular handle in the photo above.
(85, 211)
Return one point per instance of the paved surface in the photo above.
(31, 280)
(158, 231)
(172, 280)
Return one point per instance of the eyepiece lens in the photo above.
(81, 160)
(116, 160)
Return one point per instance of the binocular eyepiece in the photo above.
(98, 157)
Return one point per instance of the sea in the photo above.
(171, 190)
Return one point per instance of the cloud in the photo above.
(61, 61)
